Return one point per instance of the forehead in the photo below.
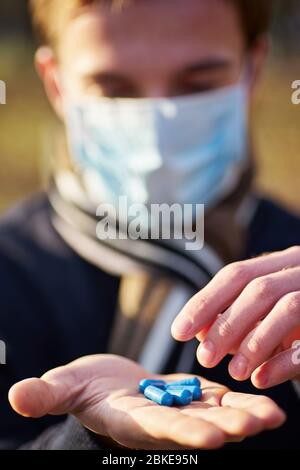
(164, 30)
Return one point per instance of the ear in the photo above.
(48, 70)
(258, 55)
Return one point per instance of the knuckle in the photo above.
(223, 327)
(291, 302)
(261, 287)
(198, 302)
(236, 272)
(255, 344)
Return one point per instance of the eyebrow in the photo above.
(103, 77)
(110, 77)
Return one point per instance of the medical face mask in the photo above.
(187, 150)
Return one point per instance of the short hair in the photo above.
(49, 16)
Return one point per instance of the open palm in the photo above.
(101, 391)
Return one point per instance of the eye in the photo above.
(109, 87)
(193, 87)
(201, 87)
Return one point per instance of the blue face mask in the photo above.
(183, 150)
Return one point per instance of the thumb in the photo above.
(49, 395)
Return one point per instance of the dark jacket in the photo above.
(56, 307)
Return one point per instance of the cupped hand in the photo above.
(102, 393)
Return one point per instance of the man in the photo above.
(189, 68)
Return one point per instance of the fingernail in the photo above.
(239, 366)
(207, 352)
(182, 326)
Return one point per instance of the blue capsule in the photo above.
(191, 381)
(147, 382)
(159, 396)
(181, 397)
(195, 391)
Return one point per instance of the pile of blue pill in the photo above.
(179, 393)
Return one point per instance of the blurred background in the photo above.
(26, 117)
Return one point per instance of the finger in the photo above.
(233, 422)
(34, 397)
(65, 388)
(254, 303)
(201, 335)
(261, 342)
(281, 368)
(55, 393)
(154, 424)
(259, 406)
(225, 287)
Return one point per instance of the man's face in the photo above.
(151, 49)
